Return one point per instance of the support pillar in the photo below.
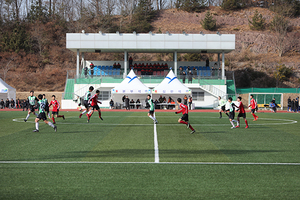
(77, 64)
(223, 65)
(82, 60)
(125, 63)
(218, 61)
(175, 62)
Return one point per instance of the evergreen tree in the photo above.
(258, 22)
(191, 5)
(231, 4)
(209, 23)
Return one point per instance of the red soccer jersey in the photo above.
(252, 104)
(94, 100)
(55, 105)
(183, 108)
(241, 108)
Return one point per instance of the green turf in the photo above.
(122, 149)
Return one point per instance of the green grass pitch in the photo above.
(115, 158)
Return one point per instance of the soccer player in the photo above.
(42, 116)
(47, 105)
(230, 107)
(86, 99)
(94, 106)
(55, 105)
(31, 101)
(253, 105)
(222, 104)
(242, 113)
(185, 115)
(151, 109)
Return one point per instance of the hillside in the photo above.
(255, 52)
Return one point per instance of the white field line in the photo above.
(156, 152)
(165, 163)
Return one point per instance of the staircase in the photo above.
(206, 86)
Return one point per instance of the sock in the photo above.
(254, 115)
(220, 114)
(89, 112)
(53, 119)
(27, 116)
(238, 122)
(37, 126)
(152, 117)
(36, 114)
(50, 124)
(83, 112)
(232, 123)
(99, 114)
(234, 120)
(246, 122)
(191, 128)
(183, 122)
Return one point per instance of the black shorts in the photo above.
(55, 112)
(86, 104)
(151, 112)
(231, 115)
(185, 117)
(47, 108)
(253, 110)
(42, 116)
(243, 115)
(95, 107)
(31, 108)
(223, 108)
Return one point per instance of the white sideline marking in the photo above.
(166, 163)
(156, 153)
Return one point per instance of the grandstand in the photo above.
(208, 80)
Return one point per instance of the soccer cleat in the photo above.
(156, 122)
(64, 117)
(54, 123)
(80, 115)
(233, 127)
(255, 119)
(247, 127)
(88, 121)
(220, 117)
(188, 125)
(101, 118)
(25, 120)
(36, 130)
(55, 128)
(237, 126)
(193, 131)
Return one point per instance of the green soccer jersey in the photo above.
(31, 100)
(150, 101)
(230, 107)
(222, 102)
(87, 95)
(41, 106)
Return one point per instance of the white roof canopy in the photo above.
(131, 85)
(150, 43)
(6, 91)
(171, 85)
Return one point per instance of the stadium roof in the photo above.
(150, 43)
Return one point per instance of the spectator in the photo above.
(118, 66)
(180, 72)
(7, 103)
(207, 62)
(194, 72)
(161, 99)
(172, 106)
(123, 100)
(156, 104)
(132, 104)
(130, 61)
(25, 105)
(112, 104)
(296, 105)
(115, 65)
(12, 103)
(190, 77)
(293, 105)
(138, 102)
(289, 104)
(85, 71)
(183, 77)
(185, 99)
(18, 103)
(92, 69)
(190, 102)
(2, 104)
(273, 106)
(127, 103)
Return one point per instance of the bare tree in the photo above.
(6, 67)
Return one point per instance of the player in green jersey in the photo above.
(222, 104)
(47, 105)
(31, 102)
(230, 108)
(42, 116)
(86, 99)
(151, 109)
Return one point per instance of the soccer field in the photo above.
(126, 156)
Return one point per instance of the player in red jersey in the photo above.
(94, 105)
(185, 115)
(242, 113)
(55, 109)
(253, 105)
